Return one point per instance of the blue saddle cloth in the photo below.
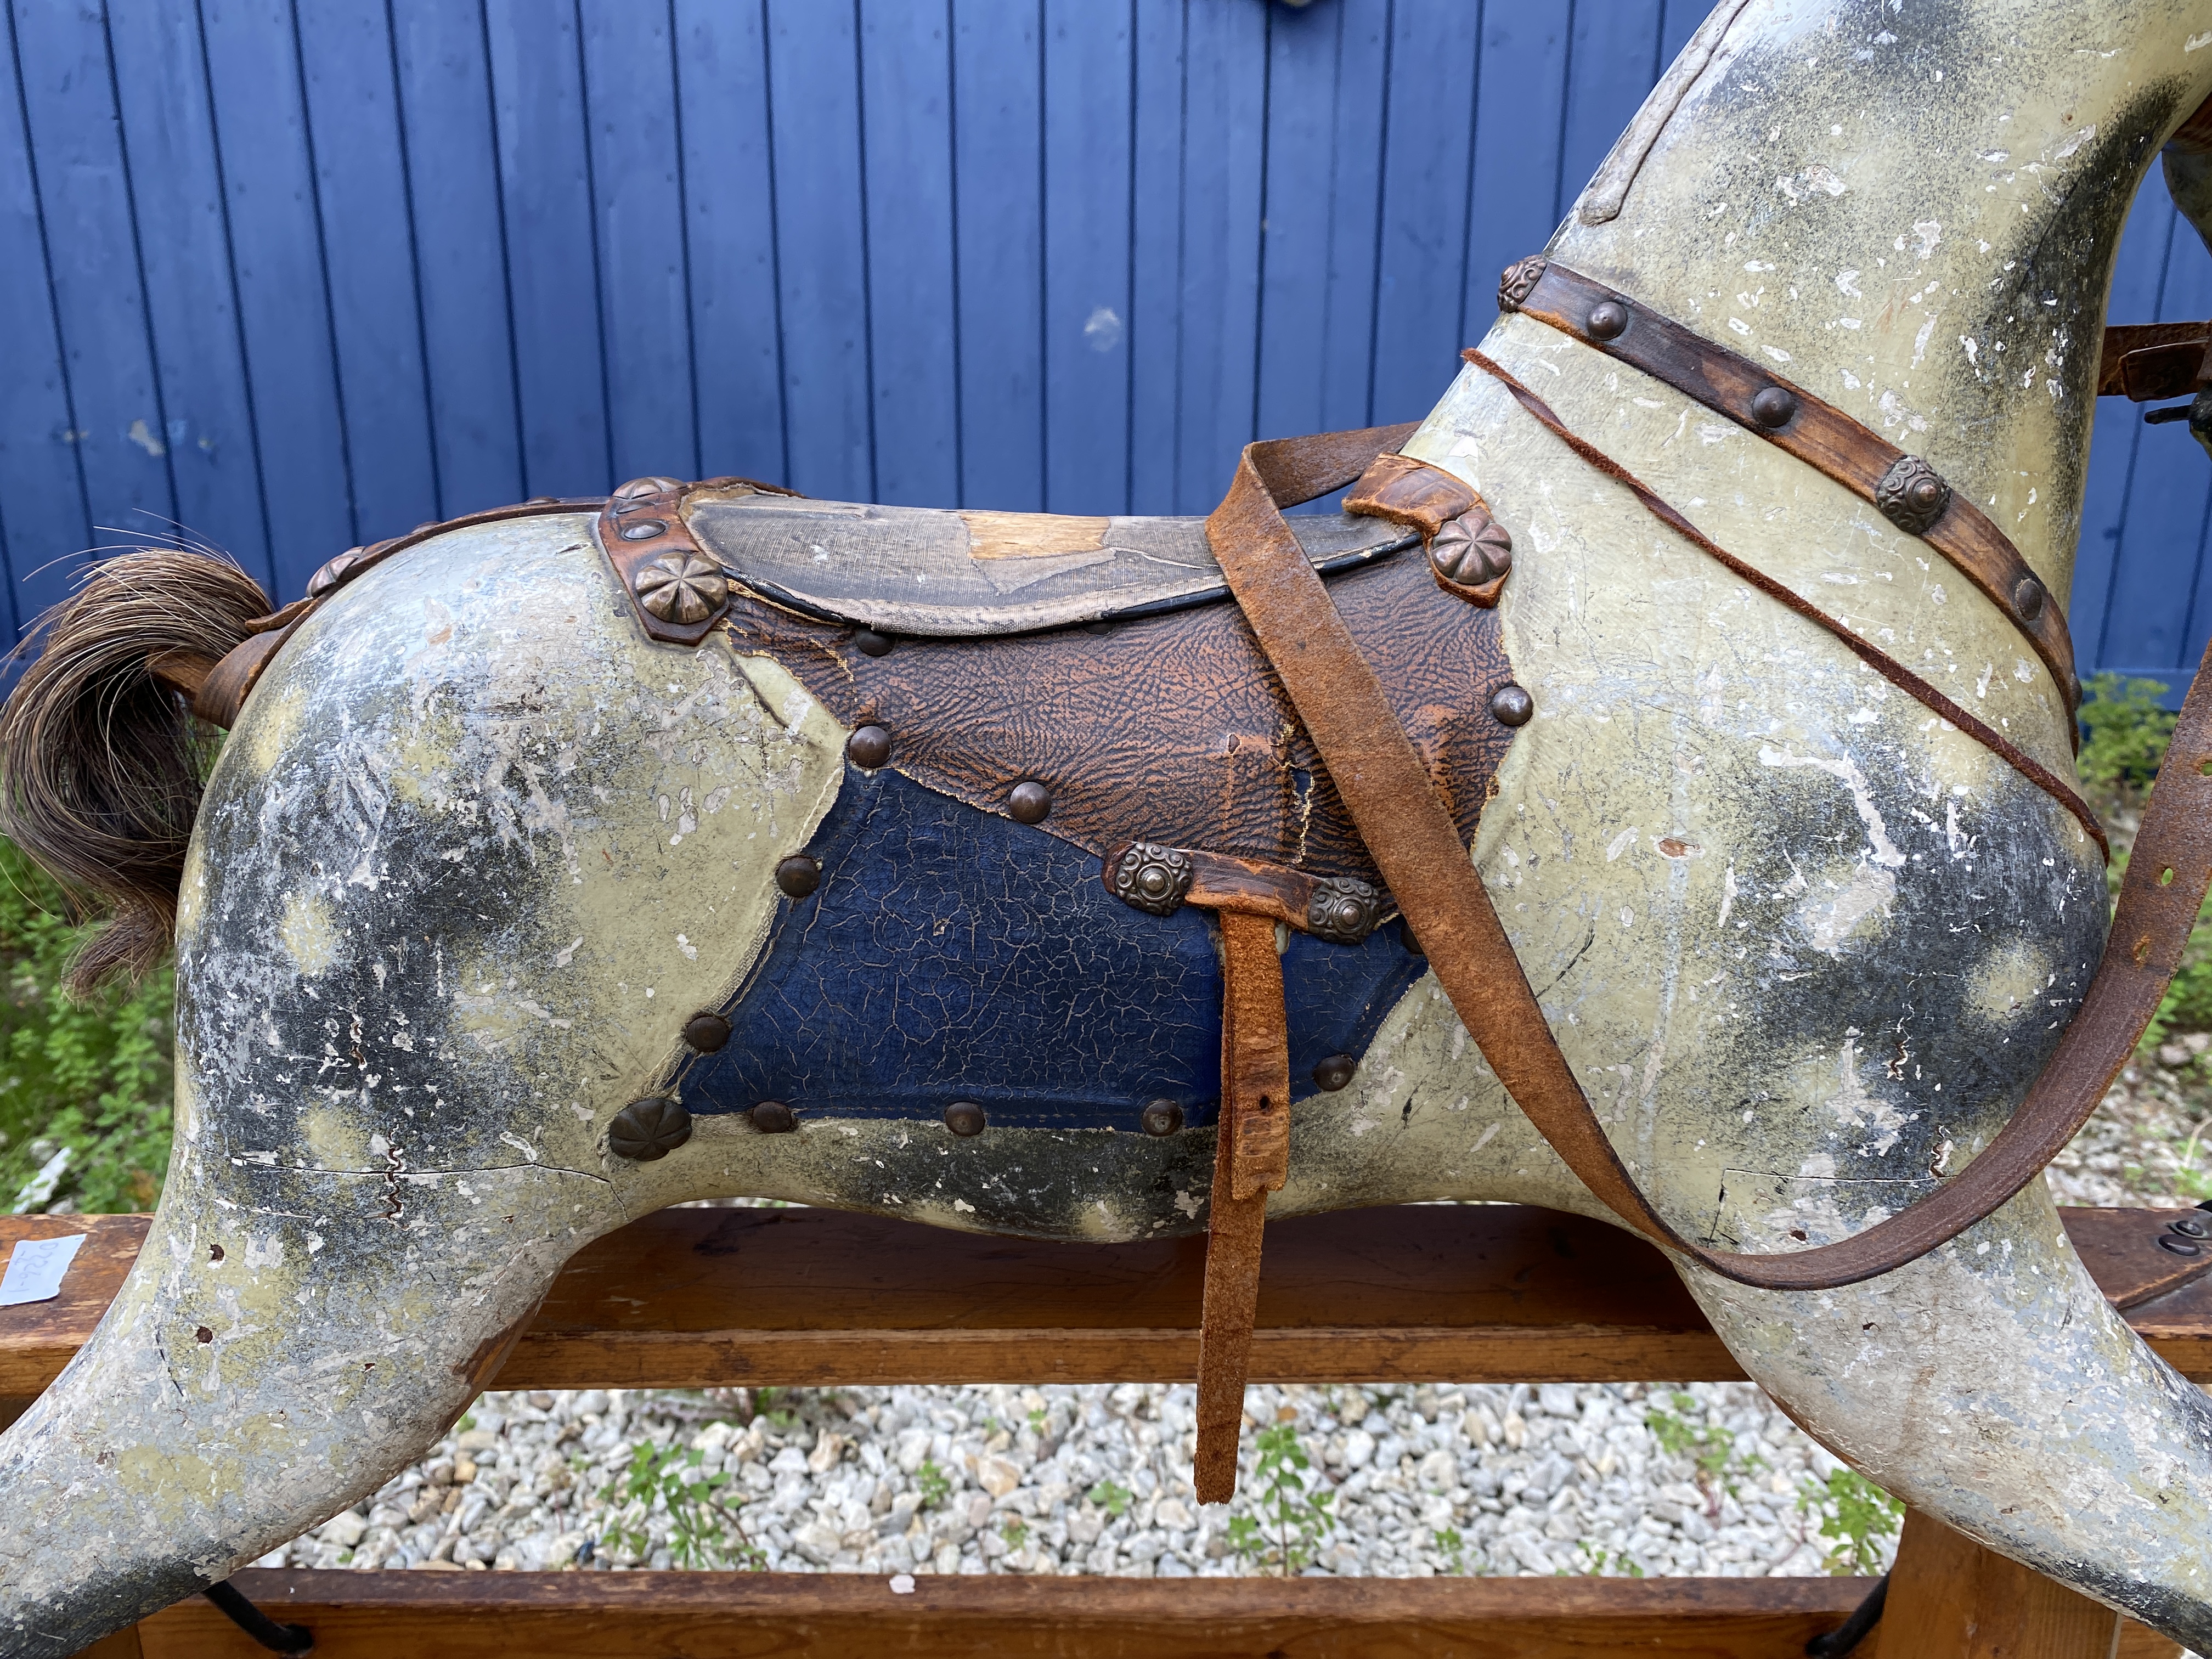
(951, 955)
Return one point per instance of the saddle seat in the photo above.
(948, 574)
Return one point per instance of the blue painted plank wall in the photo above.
(286, 278)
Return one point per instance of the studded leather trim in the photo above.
(1816, 432)
(679, 592)
(1341, 909)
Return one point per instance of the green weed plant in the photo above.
(1710, 1451)
(933, 1483)
(703, 1526)
(1292, 1518)
(1856, 1519)
(1111, 1497)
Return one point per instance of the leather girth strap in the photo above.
(1251, 1158)
(1431, 876)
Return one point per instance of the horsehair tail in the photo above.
(100, 762)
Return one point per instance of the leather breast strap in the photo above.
(1864, 649)
(1904, 488)
(1429, 873)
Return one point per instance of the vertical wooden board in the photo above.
(84, 187)
(1298, 220)
(1612, 55)
(43, 516)
(1423, 234)
(1155, 331)
(2169, 490)
(721, 73)
(348, 67)
(1949, 1598)
(1087, 208)
(906, 104)
(460, 252)
(552, 266)
(821, 238)
(2117, 431)
(1224, 127)
(168, 133)
(1346, 347)
(637, 174)
(998, 162)
(1518, 125)
(277, 259)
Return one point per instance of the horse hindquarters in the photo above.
(473, 856)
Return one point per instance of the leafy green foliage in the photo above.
(780, 1407)
(933, 1483)
(1451, 1546)
(1616, 1564)
(1710, 1451)
(703, 1529)
(1015, 1532)
(1856, 1518)
(1292, 1518)
(2124, 733)
(91, 1077)
(1111, 1497)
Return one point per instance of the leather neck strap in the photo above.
(1416, 845)
(1904, 488)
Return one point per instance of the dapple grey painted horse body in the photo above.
(476, 850)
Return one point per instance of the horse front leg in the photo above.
(1991, 1385)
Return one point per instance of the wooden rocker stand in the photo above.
(815, 1299)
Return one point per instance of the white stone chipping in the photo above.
(1096, 1480)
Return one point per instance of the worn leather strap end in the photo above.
(1470, 555)
(224, 689)
(2130, 349)
(1410, 492)
(180, 673)
(2176, 369)
(1255, 1056)
(1251, 1158)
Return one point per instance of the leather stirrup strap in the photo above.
(1417, 848)
(1251, 1158)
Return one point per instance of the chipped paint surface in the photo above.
(477, 850)
(437, 932)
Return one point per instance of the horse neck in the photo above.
(1913, 212)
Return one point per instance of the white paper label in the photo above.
(35, 1270)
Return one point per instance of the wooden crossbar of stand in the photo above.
(692, 1298)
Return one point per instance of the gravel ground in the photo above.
(1403, 1482)
(1706, 1479)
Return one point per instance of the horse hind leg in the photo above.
(281, 1348)
(1991, 1385)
